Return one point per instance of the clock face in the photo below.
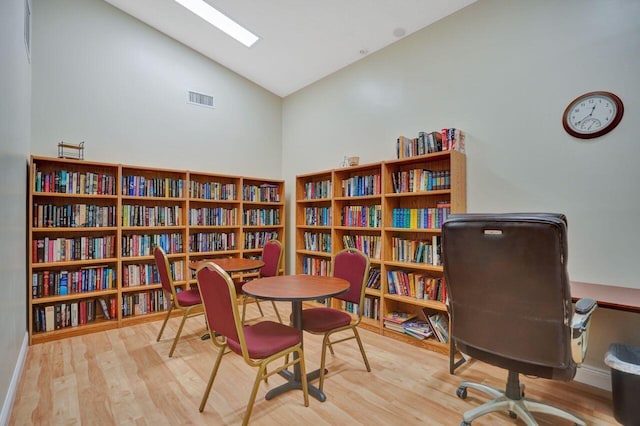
(592, 114)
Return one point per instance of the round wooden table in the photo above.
(296, 288)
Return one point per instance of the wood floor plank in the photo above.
(124, 377)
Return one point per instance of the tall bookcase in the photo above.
(92, 228)
(388, 210)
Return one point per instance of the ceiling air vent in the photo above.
(200, 99)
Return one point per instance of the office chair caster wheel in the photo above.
(465, 424)
(462, 392)
(513, 415)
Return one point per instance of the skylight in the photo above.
(220, 21)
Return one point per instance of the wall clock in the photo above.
(592, 114)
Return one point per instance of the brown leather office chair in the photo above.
(510, 304)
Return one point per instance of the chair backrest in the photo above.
(219, 300)
(272, 258)
(164, 271)
(508, 288)
(353, 266)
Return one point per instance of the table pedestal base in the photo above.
(293, 384)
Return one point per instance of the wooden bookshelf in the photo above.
(100, 221)
(361, 202)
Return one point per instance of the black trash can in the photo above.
(624, 361)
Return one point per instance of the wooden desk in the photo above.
(296, 288)
(620, 298)
(231, 264)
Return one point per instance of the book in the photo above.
(419, 327)
(49, 318)
(399, 317)
(105, 309)
(439, 323)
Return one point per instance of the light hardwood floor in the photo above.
(125, 377)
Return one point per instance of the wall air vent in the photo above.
(200, 99)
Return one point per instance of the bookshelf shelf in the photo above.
(424, 211)
(142, 206)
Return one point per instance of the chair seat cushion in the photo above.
(189, 297)
(321, 320)
(267, 338)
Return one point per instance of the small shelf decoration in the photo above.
(75, 152)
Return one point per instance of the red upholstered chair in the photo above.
(272, 258)
(259, 344)
(187, 301)
(353, 266)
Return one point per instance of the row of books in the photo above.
(317, 216)
(135, 215)
(212, 241)
(317, 241)
(72, 182)
(142, 186)
(416, 285)
(427, 218)
(318, 190)
(214, 216)
(446, 139)
(61, 249)
(134, 275)
(417, 180)
(362, 216)
(417, 251)
(261, 217)
(265, 193)
(73, 215)
(213, 190)
(370, 307)
(73, 314)
(256, 240)
(142, 245)
(144, 303)
(371, 245)
(315, 266)
(358, 186)
(60, 283)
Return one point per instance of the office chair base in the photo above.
(522, 407)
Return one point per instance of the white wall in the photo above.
(504, 72)
(15, 87)
(103, 77)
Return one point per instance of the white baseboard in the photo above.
(11, 392)
(594, 377)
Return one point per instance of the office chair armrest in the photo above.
(580, 328)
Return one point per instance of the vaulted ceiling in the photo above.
(301, 41)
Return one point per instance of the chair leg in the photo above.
(259, 307)
(175, 341)
(212, 377)
(364, 355)
(275, 308)
(325, 343)
(303, 377)
(166, 318)
(244, 306)
(254, 392)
